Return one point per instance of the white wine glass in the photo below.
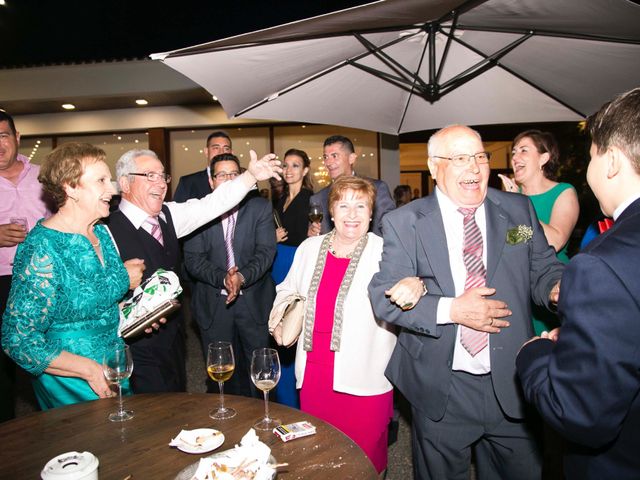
(315, 213)
(265, 373)
(117, 366)
(220, 367)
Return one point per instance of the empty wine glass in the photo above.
(220, 367)
(117, 366)
(265, 373)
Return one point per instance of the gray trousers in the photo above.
(504, 449)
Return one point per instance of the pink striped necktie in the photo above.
(228, 237)
(155, 232)
(472, 340)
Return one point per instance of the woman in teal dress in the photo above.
(62, 312)
(535, 161)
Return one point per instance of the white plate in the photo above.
(189, 471)
(213, 440)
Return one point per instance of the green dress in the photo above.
(63, 298)
(543, 203)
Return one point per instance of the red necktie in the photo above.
(472, 340)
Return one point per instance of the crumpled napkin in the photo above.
(190, 439)
(251, 455)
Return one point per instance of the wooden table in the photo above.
(139, 447)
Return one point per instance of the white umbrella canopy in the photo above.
(398, 66)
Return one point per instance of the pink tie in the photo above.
(155, 232)
(472, 340)
(228, 238)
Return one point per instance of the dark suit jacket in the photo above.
(384, 203)
(194, 185)
(587, 386)
(254, 248)
(415, 245)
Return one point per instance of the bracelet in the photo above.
(424, 288)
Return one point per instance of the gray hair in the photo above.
(434, 144)
(126, 164)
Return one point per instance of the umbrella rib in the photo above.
(524, 79)
(489, 62)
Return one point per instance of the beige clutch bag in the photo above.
(289, 313)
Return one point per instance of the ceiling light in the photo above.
(215, 99)
(141, 101)
(68, 106)
(2, 2)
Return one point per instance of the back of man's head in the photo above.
(346, 143)
(617, 124)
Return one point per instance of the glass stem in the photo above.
(221, 385)
(121, 411)
(266, 405)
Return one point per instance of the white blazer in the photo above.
(367, 343)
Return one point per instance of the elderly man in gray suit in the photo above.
(482, 256)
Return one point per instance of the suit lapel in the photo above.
(433, 243)
(497, 223)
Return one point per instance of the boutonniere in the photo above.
(519, 234)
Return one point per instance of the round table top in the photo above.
(138, 449)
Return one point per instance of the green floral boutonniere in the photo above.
(519, 234)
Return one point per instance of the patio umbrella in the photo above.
(398, 66)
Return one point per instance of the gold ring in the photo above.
(491, 324)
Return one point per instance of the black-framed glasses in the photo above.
(154, 177)
(224, 175)
(464, 159)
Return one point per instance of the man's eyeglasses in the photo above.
(154, 177)
(463, 159)
(224, 175)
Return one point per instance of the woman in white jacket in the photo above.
(343, 349)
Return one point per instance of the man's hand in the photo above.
(314, 229)
(265, 168)
(11, 234)
(406, 293)
(232, 284)
(135, 267)
(554, 295)
(553, 335)
(473, 310)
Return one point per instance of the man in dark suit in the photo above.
(339, 157)
(145, 227)
(586, 385)
(196, 185)
(230, 262)
(482, 256)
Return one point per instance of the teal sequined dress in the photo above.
(62, 298)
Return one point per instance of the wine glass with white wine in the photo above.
(117, 366)
(220, 367)
(265, 373)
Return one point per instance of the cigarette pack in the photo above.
(294, 430)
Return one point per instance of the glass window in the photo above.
(310, 139)
(36, 148)
(188, 148)
(114, 144)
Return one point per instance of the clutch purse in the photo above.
(289, 313)
(149, 302)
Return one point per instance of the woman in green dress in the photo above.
(535, 160)
(62, 312)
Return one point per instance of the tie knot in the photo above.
(153, 221)
(467, 212)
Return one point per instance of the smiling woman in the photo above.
(62, 311)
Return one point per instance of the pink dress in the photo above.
(363, 419)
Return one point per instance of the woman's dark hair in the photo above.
(545, 142)
(306, 163)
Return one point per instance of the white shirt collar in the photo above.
(135, 214)
(621, 208)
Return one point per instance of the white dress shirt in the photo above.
(453, 229)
